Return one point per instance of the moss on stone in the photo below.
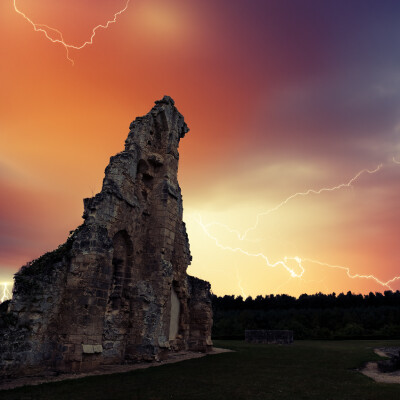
(46, 263)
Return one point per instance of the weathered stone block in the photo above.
(87, 349)
(98, 348)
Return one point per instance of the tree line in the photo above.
(317, 316)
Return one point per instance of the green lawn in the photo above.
(305, 370)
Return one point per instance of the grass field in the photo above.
(305, 370)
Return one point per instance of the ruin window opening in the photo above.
(121, 262)
(148, 181)
(142, 167)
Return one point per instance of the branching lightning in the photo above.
(354, 276)
(281, 263)
(6, 292)
(299, 261)
(45, 29)
(298, 194)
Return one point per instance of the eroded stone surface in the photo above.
(104, 297)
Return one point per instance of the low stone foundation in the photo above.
(269, 336)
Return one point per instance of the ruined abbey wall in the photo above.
(117, 291)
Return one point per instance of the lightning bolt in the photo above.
(281, 263)
(354, 276)
(299, 261)
(45, 29)
(6, 295)
(240, 284)
(298, 194)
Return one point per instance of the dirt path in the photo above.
(106, 370)
(371, 369)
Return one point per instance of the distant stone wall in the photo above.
(269, 336)
(117, 291)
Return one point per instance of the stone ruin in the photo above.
(263, 336)
(117, 291)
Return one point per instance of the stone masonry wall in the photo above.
(106, 295)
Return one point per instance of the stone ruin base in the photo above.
(263, 336)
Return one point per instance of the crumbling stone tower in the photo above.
(117, 291)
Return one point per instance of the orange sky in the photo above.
(280, 97)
